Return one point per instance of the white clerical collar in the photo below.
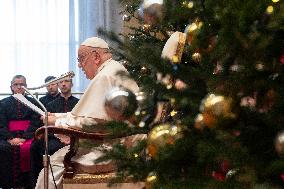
(103, 65)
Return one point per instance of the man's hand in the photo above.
(16, 141)
(63, 138)
(51, 118)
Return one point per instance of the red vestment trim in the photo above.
(22, 125)
(18, 125)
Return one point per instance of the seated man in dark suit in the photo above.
(65, 101)
(62, 104)
(52, 92)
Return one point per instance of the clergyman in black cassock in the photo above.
(17, 126)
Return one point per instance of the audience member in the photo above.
(66, 101)
(52, 92)
(17, 126)
(62, 104)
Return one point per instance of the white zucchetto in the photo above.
(95, 42)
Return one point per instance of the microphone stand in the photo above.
(67, 75)
(45, 156)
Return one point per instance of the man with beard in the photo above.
(52, 92)
(62, 104)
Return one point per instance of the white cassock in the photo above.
(90, 106)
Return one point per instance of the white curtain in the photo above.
(89, 15)
(34, 40)
(41, 37)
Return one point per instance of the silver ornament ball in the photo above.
(151, 11)
(279, 143)
(120, 103)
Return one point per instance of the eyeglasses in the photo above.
(82, 58)
(19, 84)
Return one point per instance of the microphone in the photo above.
(67, 75)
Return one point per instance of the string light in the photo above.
(173, 113)
(175, 59)
(269, 9)
(190, 5)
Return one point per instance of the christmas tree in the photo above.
(211, 103)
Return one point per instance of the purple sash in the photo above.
(22, 125)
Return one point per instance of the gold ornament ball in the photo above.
(279, 143)
(196, 57)
(150, 180)
(192, 29)
(217, 109)
(162, 135)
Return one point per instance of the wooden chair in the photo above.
(86, 177)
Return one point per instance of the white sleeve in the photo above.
(91, 104)
(69, 119)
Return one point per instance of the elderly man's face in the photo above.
(88, 61)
